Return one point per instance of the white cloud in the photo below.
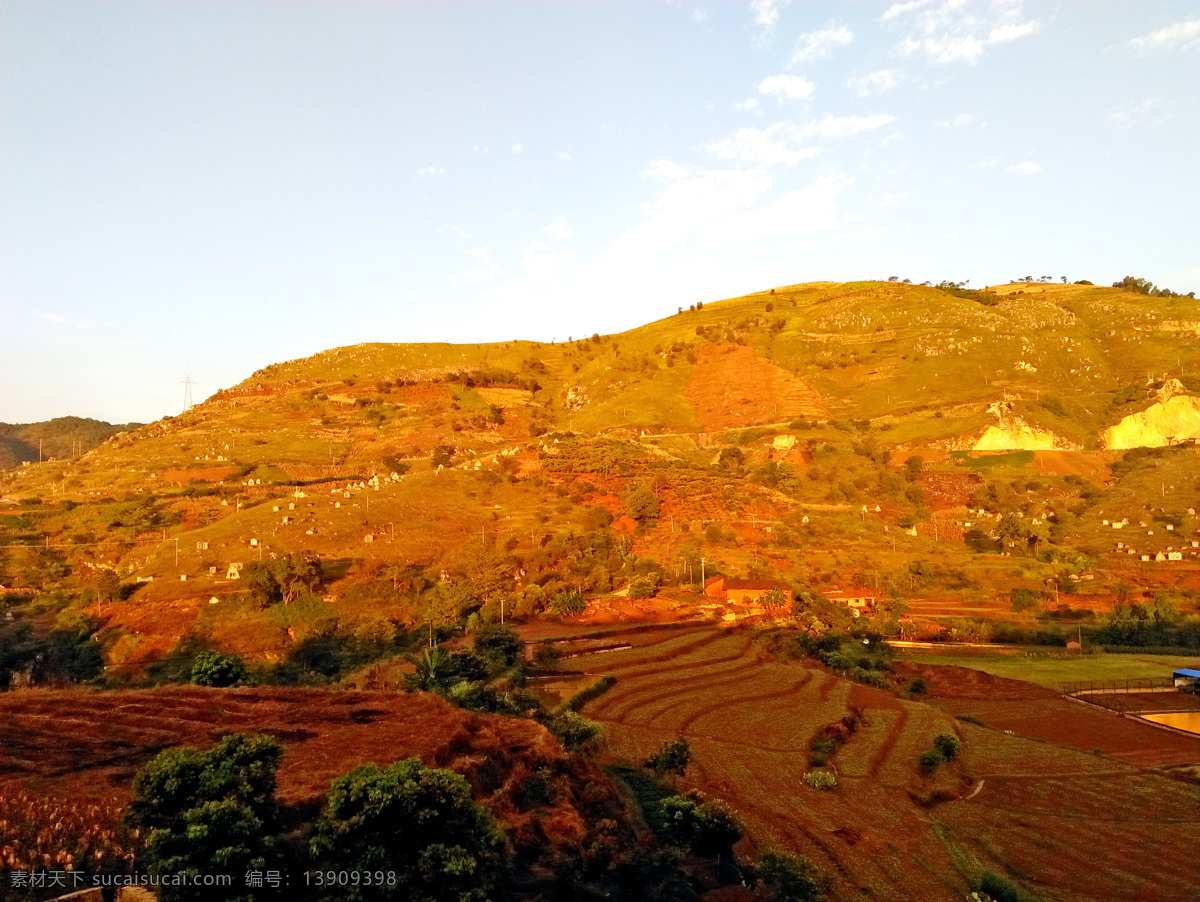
(749, 105)
(778, 145)
(816, 45)
(482, 269)
(558, 230)
(899, 9)
(542, 263)
(766, 16)
(429, 170)
(876, 82)
(699, 15)
(789, 87)
(785, 143)
(1180, 36)
(1140, 112)
(60, 320)
(804, 210)
(518, 148)
(1026, 167)
(561, 155)
(952, 31)
(845, 126)
(962, 120)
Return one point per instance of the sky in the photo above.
(195, 190)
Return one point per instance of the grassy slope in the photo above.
(875, 351)
(1054, 671)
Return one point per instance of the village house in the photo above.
(856, 598)
(726, 588)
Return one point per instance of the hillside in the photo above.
(824, 434)
(62, 437)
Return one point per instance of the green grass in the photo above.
(1012, 459)
(1052, 672)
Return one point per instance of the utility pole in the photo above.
(176, 551)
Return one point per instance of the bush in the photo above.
(917, 687)
(792, 878)
(207, 810)
(705, 827)
(567, 602)
(215, 669)
(672, 757)
(418, 822)
(820, 779)
(499, 645)
(948, 745)
(645, 587)
(930, 761)
(576, 732)
(1001, 889)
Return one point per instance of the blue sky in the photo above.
(202, 189)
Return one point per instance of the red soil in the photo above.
(1044, 714)
(731, 386)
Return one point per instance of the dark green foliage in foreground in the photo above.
(704, 826)
(417, 821)
(207, 812)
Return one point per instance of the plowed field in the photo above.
(1034, 810)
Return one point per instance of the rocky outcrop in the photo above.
(1175, 417)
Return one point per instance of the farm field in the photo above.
(886, 832)
(1053, 672)
(90, 744)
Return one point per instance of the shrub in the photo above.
(1001, 889)
(645, 587)
(792, 878)
(419, 821)
(917, 687)
(215, 669)
(566, 602)
(576, 732)
(672, 757)
(205, 809)
(930, 761)
(499, 645)
(820, 779)
(948, 745)
(707, 827)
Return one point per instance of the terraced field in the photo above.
(1031, 809)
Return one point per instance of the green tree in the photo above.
(215, 669)
(294, 573)
(672, 757)
(417, 822)
(206, 812)
(498, 644)
(706, 827)
(642, 503)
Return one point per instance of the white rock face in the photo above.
(1174, 419)
(1014, 434)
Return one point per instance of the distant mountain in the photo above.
(60, 438)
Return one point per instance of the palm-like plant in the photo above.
(432, 668)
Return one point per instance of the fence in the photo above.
(1120, 695)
